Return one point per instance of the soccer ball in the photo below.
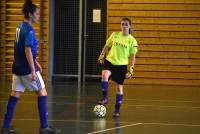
(99, 110)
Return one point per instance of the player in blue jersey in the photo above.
(26, 71)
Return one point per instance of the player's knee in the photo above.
(120, 90)
(42, 92)
(15, 94)
(104, 78)
(105, 75)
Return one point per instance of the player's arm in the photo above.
(103, 54)
(28, 45)
(106, 49)
(38, 64)
(130, 68)
(132, 58)
(29, 57)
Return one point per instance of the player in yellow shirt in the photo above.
(118, 59)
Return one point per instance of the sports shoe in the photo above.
(116, 114)
(50, 130)
(103, 101)
(8, 131)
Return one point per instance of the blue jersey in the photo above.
(25, 37)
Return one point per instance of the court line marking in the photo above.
(105, 130)
(173, 124)
(157, 100)
(128, 105)
(91, 121)
(137, 124)
(133, 124)
(83, 121)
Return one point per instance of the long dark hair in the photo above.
(129, 20)
(28, 7)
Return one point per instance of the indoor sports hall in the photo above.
(162, 94)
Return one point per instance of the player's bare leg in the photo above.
(104, 86)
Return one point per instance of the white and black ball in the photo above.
(99, 110)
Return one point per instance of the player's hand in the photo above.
(130, 71)
(101, 61)
(34, 76)
(101, 58)
(128, 76)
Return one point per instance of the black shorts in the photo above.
(118, 72)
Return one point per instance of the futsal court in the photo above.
(146, 110)
(163, 97)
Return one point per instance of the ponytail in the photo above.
(28, 7)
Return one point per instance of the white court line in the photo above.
(82, 121)
(161, 106)
(128, 105)
(156, 100)
(134, 124)
(172, 124)
(137, 124)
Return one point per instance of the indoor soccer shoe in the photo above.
(116, 114)
(50, 130)
(8, 131)
(103, 101)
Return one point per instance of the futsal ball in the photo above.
(99, 110)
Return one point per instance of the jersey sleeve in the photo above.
(109, 40)
(134, 47)
(29, 39)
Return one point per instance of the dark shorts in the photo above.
(118, 72)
